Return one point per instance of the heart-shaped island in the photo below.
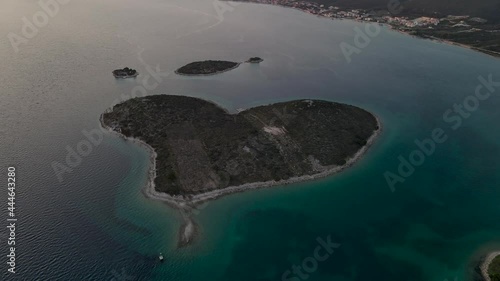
(200, 152)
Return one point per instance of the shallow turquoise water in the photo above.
(96, 225)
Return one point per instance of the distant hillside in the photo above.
(489, 9)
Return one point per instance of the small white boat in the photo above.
(160, 257)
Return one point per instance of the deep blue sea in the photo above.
(93, 223)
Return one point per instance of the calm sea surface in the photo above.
(95, 224)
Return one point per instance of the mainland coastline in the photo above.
(189, 204)
(423, 30)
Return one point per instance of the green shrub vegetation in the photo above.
(202, 147)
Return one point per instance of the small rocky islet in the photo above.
(212, 67)
(207, 67)
(125, 73)
(255, 60)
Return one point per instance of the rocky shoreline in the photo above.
(485, 264)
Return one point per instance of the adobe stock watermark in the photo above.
(363, 38)
(310, 264)
(121, 276)
(395, 7)
(75, 155)
(454, 117)
(93, 138)
(222, 7)
(31, 26)
(283, 116)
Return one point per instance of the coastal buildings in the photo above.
(364, 15)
